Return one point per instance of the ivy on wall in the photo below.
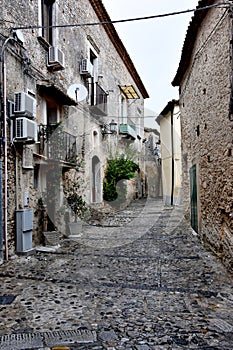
(117, 169)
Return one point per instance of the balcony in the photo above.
(98, 100)
(128, 129)
(56, 144)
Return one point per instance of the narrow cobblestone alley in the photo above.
(142, 282)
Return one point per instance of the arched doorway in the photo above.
(96, 180)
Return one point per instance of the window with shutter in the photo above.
(47, 20)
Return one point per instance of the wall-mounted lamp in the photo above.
(110, 128)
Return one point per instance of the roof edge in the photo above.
(114, 37)
(168, 108)
(190, 38)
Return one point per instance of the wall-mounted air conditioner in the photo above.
(24, 104)
(56, 58)
(25, 130)
(86, 67)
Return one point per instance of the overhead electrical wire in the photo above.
(218, 5)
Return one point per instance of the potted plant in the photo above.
(78, 208)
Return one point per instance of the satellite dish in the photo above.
(19, 36)
(77, 92)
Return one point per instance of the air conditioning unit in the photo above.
(25, 130)
(56, 58)
(24, 104)
(86, 67)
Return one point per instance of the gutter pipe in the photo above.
(4, 140)
(172, 150)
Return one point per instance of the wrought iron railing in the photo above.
(57, 144)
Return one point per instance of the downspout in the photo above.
(5, 144)
(231, 98)
(1, 139)
(172, 151)
(1, 237)
(3, 116)
(5, 161)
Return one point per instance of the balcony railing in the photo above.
(98, 99)
(56, 144)
(129, 129)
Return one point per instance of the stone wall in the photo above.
(207, 131)
(76, 43)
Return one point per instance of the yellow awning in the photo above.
(129, 91)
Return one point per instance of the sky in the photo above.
(154, 45)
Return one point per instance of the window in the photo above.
(47, 20)
(94, 62)
(36, 177)
(52, 114)
(127, 126)
(92, 57)
(97, 95)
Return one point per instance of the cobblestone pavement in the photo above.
(142, 282)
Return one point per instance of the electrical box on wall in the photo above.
(24, 225)
(26, 199)
(10, 109)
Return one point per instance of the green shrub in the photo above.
(117, 169)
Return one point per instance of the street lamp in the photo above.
(109, 129)
(113, 127)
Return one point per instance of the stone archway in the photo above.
(96, 180)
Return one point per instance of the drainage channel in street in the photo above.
(148, 257)
(24, 341)
(205, 293)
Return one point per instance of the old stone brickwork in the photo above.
(86, 121)
(207, 131)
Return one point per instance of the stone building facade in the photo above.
(153, 163)
(204, 78)
(170, 137)
(71, 98)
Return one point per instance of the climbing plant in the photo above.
(117, 169)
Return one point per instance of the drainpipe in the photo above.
(1, 237)
(5, 160)
(172, 150)
(231, 98)
(4, 234)
(3, 117)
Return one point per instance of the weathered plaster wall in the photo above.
(75, 42)
(207, 132)
(170, 136)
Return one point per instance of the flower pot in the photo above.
(52, 238)
(75, 228)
